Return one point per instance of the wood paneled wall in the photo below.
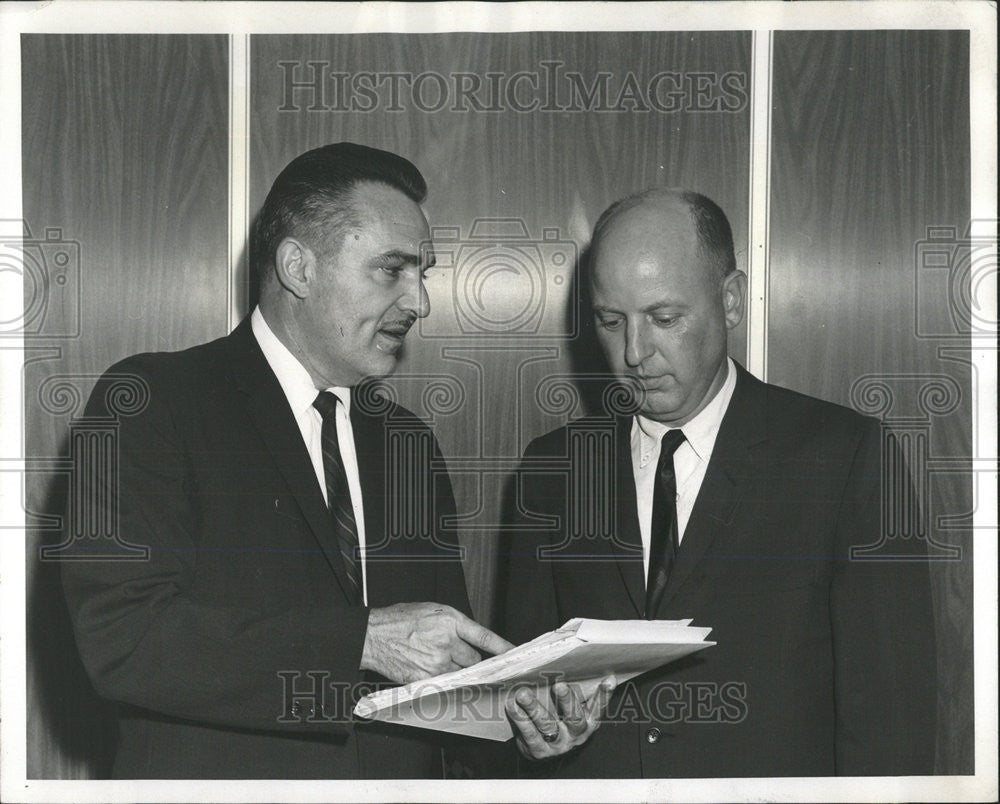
(125, 151)
(870, 148)
(547, 170)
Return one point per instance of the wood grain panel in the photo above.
(870, 148)
(548, 169)
(125, 151)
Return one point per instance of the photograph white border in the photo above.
(239, 20)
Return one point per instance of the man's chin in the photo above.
(381, 363)
(662, 406)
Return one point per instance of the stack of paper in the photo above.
(471, 700)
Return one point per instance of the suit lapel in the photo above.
(730, 472)
(272, 417)
(370, 445)
(626, 541)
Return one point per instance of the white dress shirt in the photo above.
(301, 393)
(690, 460)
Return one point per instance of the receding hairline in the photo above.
(352, 213)
(352, 192)
(665, 201)
(308, 197)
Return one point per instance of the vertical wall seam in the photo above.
(239, 201)
(758, 261)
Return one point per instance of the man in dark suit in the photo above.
(729, 501)
(291, 517)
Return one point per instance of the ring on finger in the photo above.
(550, 738)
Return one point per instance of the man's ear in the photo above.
(734, 296)
(294, 266)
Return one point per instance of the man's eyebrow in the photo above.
(650, 308)
(399, 255)
(659, 305)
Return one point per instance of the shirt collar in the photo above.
(701, 432)
(292, 375)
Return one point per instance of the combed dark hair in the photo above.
(311, 196)
(715, 236)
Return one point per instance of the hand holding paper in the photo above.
(544, 731)
(412, 641)
(473, 700)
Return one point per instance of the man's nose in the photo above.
(415, 300)
(637, 346)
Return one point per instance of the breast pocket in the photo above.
(285, 507)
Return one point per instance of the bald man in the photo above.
(735, 503)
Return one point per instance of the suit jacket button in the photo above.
(298, 710)
(653, 735)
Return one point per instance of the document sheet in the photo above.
(471, 701)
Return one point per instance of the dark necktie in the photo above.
(663, 525)
(338, 494)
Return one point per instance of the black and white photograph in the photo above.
(498, 401)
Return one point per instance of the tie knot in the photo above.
(326, 404)
(671, 440)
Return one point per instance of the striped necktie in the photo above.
(663, 525)
(338, 494)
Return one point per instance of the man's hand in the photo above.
(411, 641)
(548, 729)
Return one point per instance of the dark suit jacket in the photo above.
(823, 665)
(243, 593)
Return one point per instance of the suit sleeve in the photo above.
(145, 640)
(883, 626)
(528, 589)
(527, 586)
(526, 604)
(449, 581)
(521, 590)
(464, 757)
